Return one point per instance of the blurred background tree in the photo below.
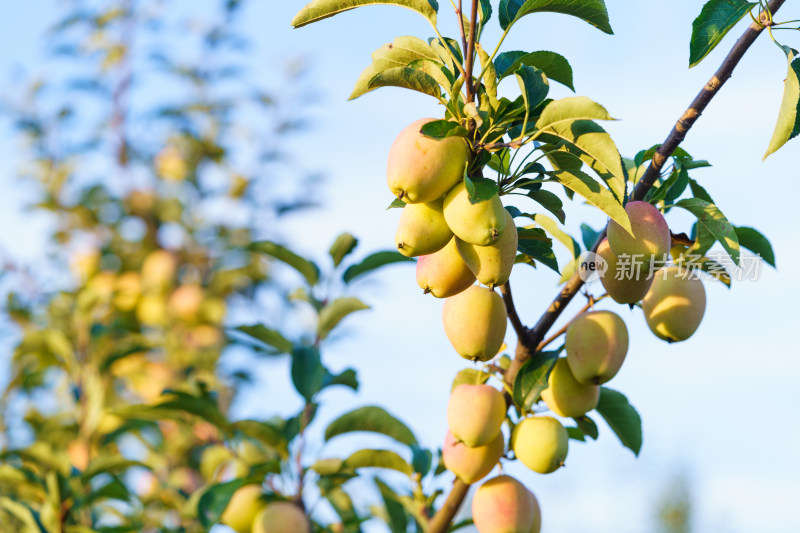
(155, 156)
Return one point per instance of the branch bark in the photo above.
(444, 516)
(528, 342)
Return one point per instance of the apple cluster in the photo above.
(460, 241)
(247, 513)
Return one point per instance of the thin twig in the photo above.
(460, 15)
(511, 310)
(470, 59)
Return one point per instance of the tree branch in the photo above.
(460, 15)
(534, 336)
(676, 136)
(516, 323)
(444, 516)
(470, 51)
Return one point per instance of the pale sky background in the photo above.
(720, 407)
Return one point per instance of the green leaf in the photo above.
(756, 242)
(531, 379)
(709, 266)
(307, 268)
(342, 503)
(397, 203)
(399, 53)
(321, 9)
(439, 129)
(268, 336)
(549, 201)
(714, 21)
(570, 109)
(435, 70)
(587, 427)
(480, 189)
(214, 501)
(711, 218)
(555, 66)
(589, 236)
(23, 513)
(109, 464)
(421, 460)
(570, 120)
(396, 518)
(441, 49)
(575, 434)
(535, 243)
(470, 376)
(592, 11)
(622, 418)
(533, 84)
(347, 378)
(265, 433)
(372, 262)
(308, 374)
(406, 78)
(550, 226)
(378, 459)
(341, 247)
(372, 419)
(788, 126)
(698, 191)
(335, 311)
(595, 194)
(489, 76)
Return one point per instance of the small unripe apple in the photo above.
(675, 304)
(422, 229)
(504, 505)
(541, 443)
(471, 464)
(152, 310)
(596, 344)
(422, 169)
(158, 269)
(475, 413)
(281, 517)
(444, 273)
(492, 264)
(244, 506)
(482, 223)
(565, 396)
(127, 289)
(170, 164)
(475, 322)
(185, 301)
(651, 238)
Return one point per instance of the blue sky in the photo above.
(719, 407)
